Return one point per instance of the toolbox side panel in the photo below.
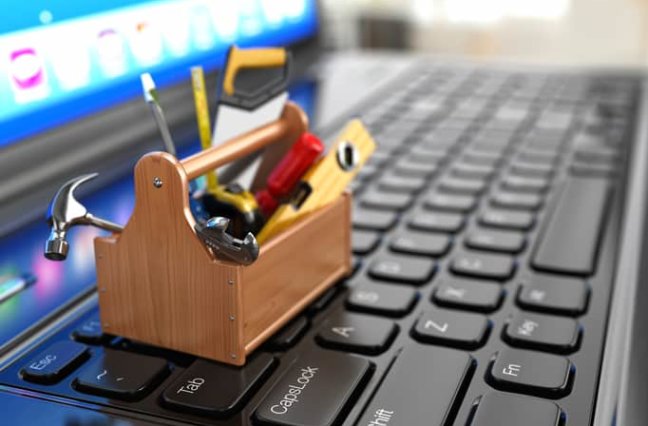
(294, 269)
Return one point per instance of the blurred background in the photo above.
(574, 32)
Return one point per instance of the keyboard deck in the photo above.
(485, 233)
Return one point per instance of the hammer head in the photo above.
(65, 211)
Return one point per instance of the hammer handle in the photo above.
(241, 146)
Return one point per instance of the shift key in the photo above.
(423, 387)
(315, 390)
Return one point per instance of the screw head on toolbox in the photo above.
(157, 182)
(348, 156)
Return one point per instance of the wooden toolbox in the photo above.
(160, 285)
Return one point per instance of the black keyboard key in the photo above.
(505, 409)
(55, 362)
(471, 295)
(386, 200)
(357, 333)
(90, 332)
(472, 171)
(456, 203)
(506, 219)
(483, 265)
(405, 167)
(542, 332)
(524, 184)
(515, 200)
(364, 241)
(437, 221)
(496, 240)
(569, 243)
(423, 387)
(315, 390)
(382, 299)
(554, 294)
(394, 183)
(121, 375)
(529, 155)
(215, 389)
(290, 335)
(425, 244)
(532, 169)
(373, 219)
(402, 269)
(462, 186)
(533, 373)
(450, 328)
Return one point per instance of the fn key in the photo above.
(513, 410)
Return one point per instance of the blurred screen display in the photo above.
(61, 60)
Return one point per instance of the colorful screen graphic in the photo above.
(63, 60)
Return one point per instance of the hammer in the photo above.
(65, 212)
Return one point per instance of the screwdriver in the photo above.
(153, 101)
(284, 177)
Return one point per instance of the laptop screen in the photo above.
(60, 61)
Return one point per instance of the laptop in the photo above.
(497, 230)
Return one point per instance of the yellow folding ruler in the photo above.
(326, 180)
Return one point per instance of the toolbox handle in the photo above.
(243, 145)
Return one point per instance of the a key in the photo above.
(507, 219)
(569, 243)
(514, 200)
(450, 328)
(483, 265)
(496, 240)
(288, 336)
(357, 333)
(421, 388)
(524, 184)
(554, 294)
(506, 409)
(542, 332)
(373, 219)
(386, 200)
(481, 158)
(216, 389)
(382, 299)
(532, 169)
(529, 155)
(55, 362)
(437, 221)
(402, 269)
(456, 203)
(472, 171)
(90, 332)
(404, 167)
(364, 241)
(315, 390)
(401, 184)
(455, 185)
(417, 243)
(467, 294)
(533, 373)
(121, 375)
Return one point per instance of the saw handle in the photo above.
(238, 59)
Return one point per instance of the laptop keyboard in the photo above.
(484, 238)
